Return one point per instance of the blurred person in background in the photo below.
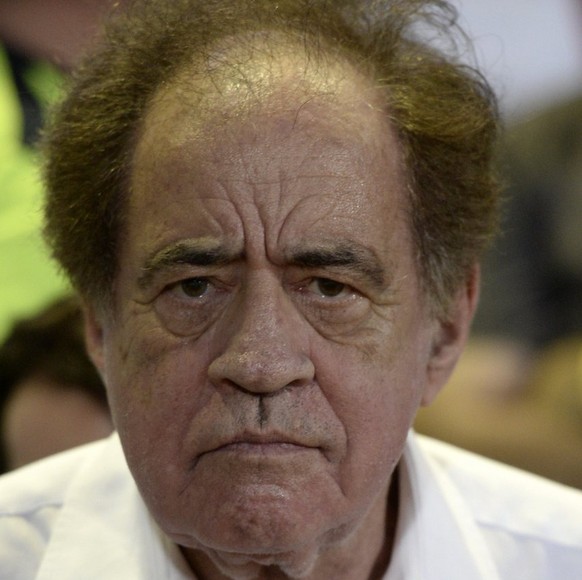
(39, 41)
(51, 396)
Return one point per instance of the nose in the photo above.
(266, 349)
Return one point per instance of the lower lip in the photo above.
(270, 449)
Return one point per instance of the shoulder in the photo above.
(510, 501)
(31, 499)
(40, 484)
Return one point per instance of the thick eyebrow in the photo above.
(348, 255)
(192, 252)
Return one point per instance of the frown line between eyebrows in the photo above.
(191, 252)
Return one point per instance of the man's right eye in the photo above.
(194, 287)
(328, 288)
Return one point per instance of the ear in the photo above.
(94, 333)
(450, 335)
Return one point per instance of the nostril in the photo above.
(302, 382)
(232, 384)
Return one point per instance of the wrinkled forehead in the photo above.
(281, 139)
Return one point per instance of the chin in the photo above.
(264, 530)
(243, 566)
(262, 523)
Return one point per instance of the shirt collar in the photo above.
(104, 529)
(436, 535)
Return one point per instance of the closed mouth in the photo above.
(264, 444)
(264, 448)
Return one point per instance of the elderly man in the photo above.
(274, 212)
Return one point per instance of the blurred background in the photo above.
(531, 50)
(516, 395)
(51, 397)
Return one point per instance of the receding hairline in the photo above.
(243, 74)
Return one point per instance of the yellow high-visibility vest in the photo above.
(28, 277)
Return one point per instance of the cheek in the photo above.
(375, 398)
(156, 384)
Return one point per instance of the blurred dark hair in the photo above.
(444, 113)
(49, 345)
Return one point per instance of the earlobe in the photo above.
(94, 337)
(450, 336)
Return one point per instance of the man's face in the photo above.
(270, 342)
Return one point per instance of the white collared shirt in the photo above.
(466, 517)
(78, 515)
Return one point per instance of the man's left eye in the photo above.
(327, 288)
(194, 287)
